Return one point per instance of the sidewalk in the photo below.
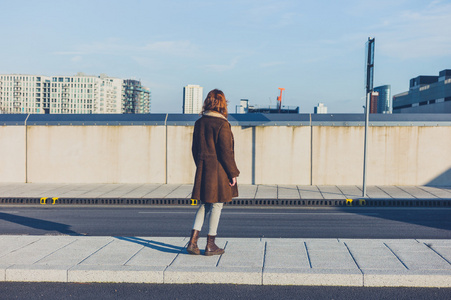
(183, 191)
(333, 262)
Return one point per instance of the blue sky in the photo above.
(313, 49)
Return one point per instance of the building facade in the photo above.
(383, 99)
(320, 109)
(136, 98)
(79, 94)
(192, 99)
(426, 94)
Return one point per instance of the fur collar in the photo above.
(212, 113)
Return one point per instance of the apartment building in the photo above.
(79, 94)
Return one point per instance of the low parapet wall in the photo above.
(270, 149)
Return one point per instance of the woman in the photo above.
(216, 170)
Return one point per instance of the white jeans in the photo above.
(213, 212)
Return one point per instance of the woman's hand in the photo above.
(232, 181)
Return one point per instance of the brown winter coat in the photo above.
(213, 153)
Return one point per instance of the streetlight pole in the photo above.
(369, 87)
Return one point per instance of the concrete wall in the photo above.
(12, 154)
(285, 155)
(110, 154)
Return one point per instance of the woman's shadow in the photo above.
(160, 246)
(38, 223)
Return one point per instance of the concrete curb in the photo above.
(356, 202)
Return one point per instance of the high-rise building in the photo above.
(192, 99)
(79, 94)
(383, 99)
(426, 94)
(320, 109)
(373, 102)
(136, 98)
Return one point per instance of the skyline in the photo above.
(248, 49)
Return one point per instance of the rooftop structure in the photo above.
(426, 94)
(245, 108)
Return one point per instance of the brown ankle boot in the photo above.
(211, 248)
(192, 245)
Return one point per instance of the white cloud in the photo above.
(425, 32)
(77, 58)
(224, 67)
(118, 47)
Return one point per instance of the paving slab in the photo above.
(33, 252)
(76, 190)
(418, 192)
(246, 191)
(156, 252)
(309, 192)
(442, 193)
(288, 192)
(396, 192)
(14, 243)
(350, 191)
(377, 192)
(98, 189)
(162, 191)
(75, 252)
(141, 191)
(331, 192)
(183, 191)
(117, 252)
(266, 192)
(120, 191)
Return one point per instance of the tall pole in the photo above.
(369, 87)
(365, 147)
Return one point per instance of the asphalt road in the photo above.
(424, 223)
(57, 291)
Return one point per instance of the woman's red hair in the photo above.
(216, 101)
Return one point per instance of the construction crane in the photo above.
(280, 99)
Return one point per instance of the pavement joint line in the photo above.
(346, 197)
(165, 269)
(430, 193)
(406, 192)
(112, 240)
(319, 190)
(397, 256)
(152, 190)
(55, 251)
(384, 192)
(299, 192)
(256, 191)
(220, 256)
(129, 192)
(352, 256)
(17, 249)
(308, 255)
(430, 247)
(264, 262)
(143, 246)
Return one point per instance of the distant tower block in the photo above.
(320, 109)
(192, 99)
